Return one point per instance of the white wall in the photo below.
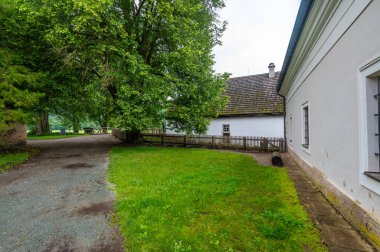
(331, 88)
(269, 126)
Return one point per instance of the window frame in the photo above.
(364, 80)
(305, 145)
(290, 128)
(224, 131)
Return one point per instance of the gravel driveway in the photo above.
(59, 200)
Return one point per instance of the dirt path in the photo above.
(59, 200)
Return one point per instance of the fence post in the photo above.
(212, 142)
(266, 144)
(184, 141)
(282, 145)
(162, 139)
(245, 143)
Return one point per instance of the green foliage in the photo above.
(19, 85)
(18, 90)
(100, 109)
(55, 123)
(175, 199)
(140, 52)
(60, 85)
(112, 61)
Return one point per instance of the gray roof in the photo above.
(253, 95)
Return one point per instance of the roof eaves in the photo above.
(250, 114)
(302, 15)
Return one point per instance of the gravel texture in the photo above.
(60, 200)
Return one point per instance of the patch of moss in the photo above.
(332, 198)
(374, 238)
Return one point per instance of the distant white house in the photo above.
(254, 107)
(330, 78)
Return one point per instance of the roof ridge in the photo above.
(244, 76)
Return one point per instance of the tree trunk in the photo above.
(42, 124)
(76, 126)
(104, 126)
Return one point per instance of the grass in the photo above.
(11, 159)
(52, 136)
(176, 199)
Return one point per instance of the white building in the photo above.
(254, 108)
(330, 78)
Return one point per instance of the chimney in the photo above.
(271, 70)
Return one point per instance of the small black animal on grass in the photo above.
(276, 159)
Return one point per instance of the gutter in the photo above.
(302, 15)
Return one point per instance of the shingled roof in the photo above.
(253, 95)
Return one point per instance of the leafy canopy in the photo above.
(152, 59)
(18, 84)
(17, 95)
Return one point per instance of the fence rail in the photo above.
(223, 142)
(265, 144)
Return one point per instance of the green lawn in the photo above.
(177, 199)
(52, 136)
(8, 160)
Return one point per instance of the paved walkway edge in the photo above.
(342, 222)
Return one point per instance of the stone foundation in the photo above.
(14, 137)
(367, 224)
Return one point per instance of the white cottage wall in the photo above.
(331, 88)
(265, 126)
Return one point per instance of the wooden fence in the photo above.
(118, 133)
(266, 144)
(218, 142)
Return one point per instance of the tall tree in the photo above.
(26, 38)
(142, 52)
(18, 91)
(18, 84)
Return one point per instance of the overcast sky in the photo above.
(258, 33)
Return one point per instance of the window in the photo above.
(373, 126)
(369, 125)
(305, 125)
(226, 133)
(226, 129)
(290, 128)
